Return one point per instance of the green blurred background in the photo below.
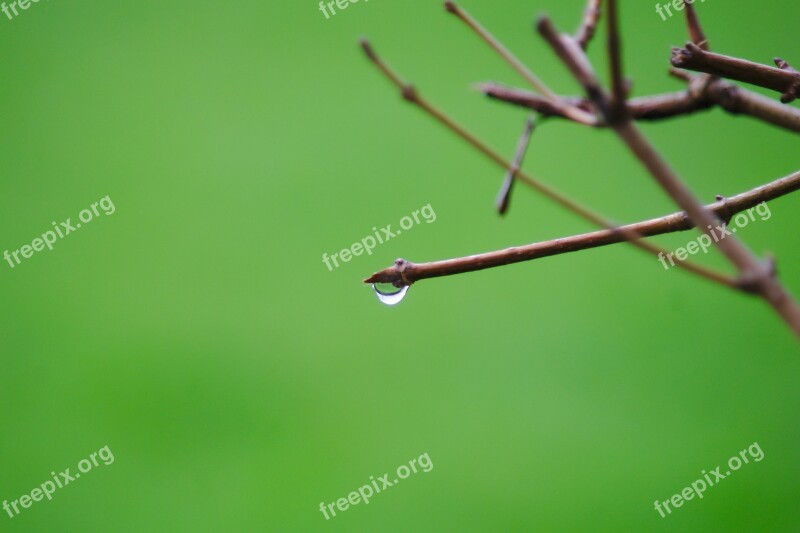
(239, 383)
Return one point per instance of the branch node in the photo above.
(792, 94)
(784, 65)
(410, 93)
(588, 25)
(401, 265)
(752, 281)
(726, 213)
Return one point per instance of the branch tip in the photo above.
(367, 47)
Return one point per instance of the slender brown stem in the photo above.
(784, 80)
(644, 108)
(618, 92)
(696, 33)
(504, 197)
(484, 34)
(577, 115)
(736, 100)
(703, 94)
(588, 26)
(676, 222)
(576, 61)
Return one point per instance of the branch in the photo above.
(783, 79)
(696, 32)
(644, 108)
(737, 100)
(588, 26)
(619, 94)
(702, 94)
(504, 197)
(577, 115)
(498, 47)
(725, 209)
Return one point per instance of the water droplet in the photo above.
(389, 294)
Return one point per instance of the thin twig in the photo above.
(737, 100)
(702, 94)
(696, 33)
(588, 26)
(785, 81)
(495, 44)
(676, 222)
(504, 197)
(618, 92)
(654, 107)
(484, 34)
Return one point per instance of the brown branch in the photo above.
(619, 95)
(644, 108)
(577, 115)
(725, 209)
(575, 60)
(701, 95)
(504, 197)
(588, 26)
(784, 80)
(696, 33)
(736, 100)
(510, 58)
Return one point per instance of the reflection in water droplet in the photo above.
(389, 294)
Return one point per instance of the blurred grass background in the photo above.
(239, 383)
